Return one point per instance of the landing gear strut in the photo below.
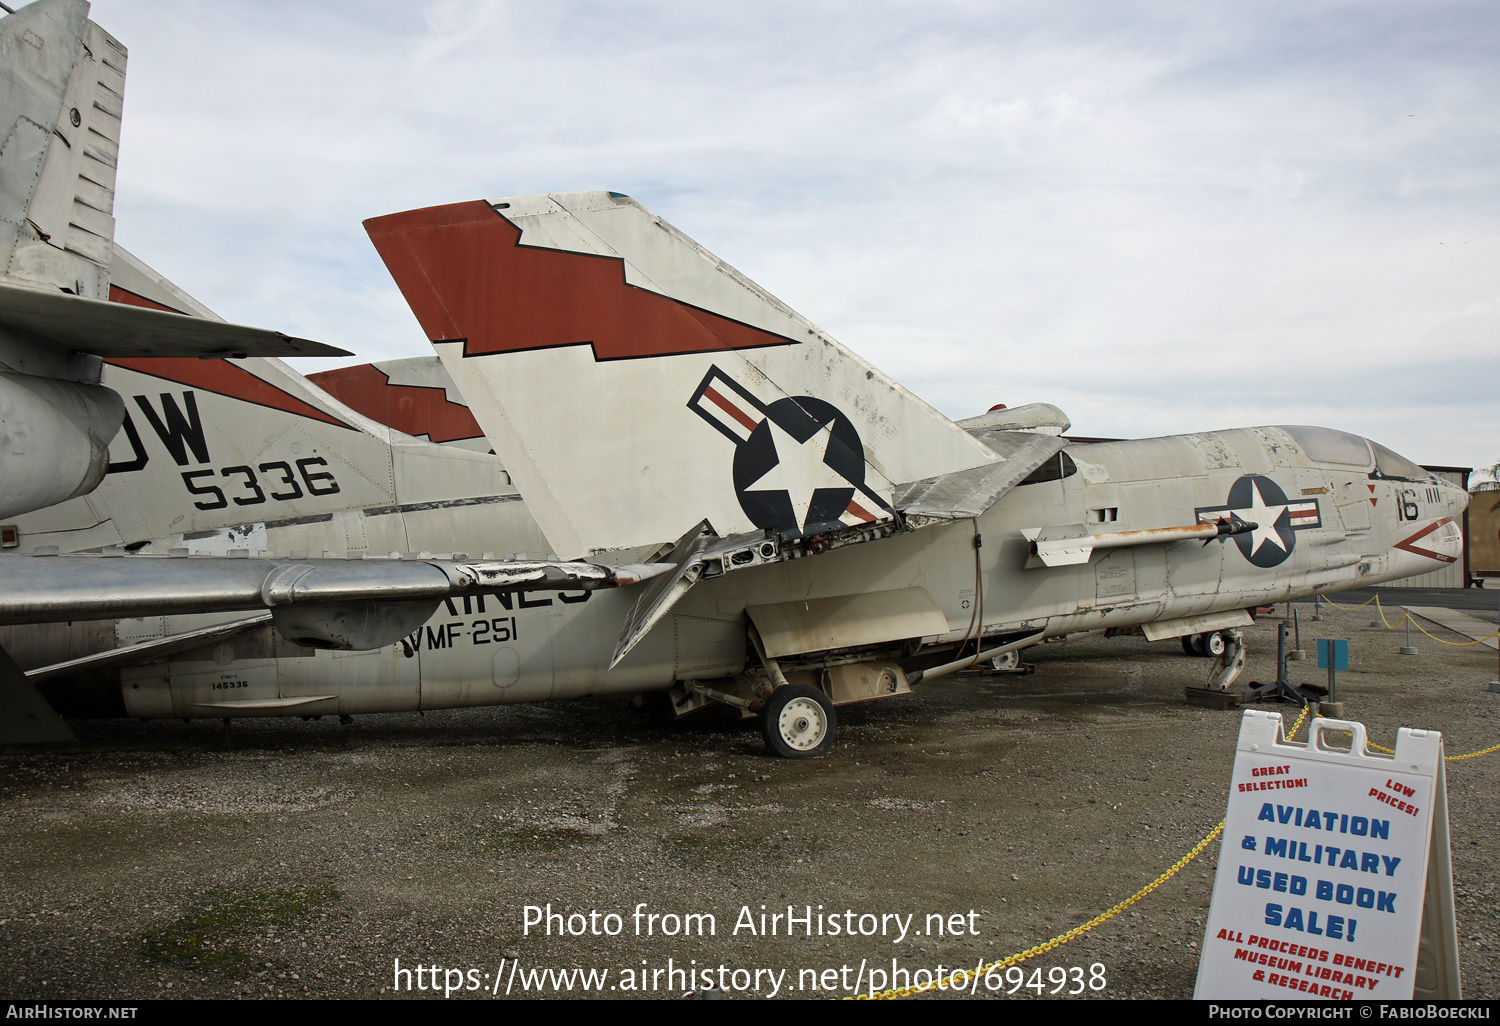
(1228, 649)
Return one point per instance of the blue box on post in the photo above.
(1333, 655)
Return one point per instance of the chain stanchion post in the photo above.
(1408, 648)
(1495, 684)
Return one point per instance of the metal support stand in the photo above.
(1296, 655)
(1280, 689)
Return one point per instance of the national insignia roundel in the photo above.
(1259, 500)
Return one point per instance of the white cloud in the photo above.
(1161, 216)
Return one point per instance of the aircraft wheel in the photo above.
(1213, 644)
(1006, 660)
(798, 722)
(1192, 644)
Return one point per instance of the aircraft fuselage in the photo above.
(1320, 527)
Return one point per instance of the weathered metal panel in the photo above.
(1162, 629)
(967, 493)
(865, 682)
(93, 220)
(847, 621)
(707, 647)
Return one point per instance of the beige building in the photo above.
(1482, 534)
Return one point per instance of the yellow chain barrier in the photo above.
(1455, 758)
(1446, 758)
(1408, 617)
(959, 979)
(1349, 609)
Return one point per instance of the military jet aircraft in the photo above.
(826, 537)
(809, 534)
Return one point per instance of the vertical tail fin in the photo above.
(634, 384)
(62, 85)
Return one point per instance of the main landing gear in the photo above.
(798, 722)
(1210, 644)
(1227, 648)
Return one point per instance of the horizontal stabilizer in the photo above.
(265, 705)
(122, 330)
(148, 651)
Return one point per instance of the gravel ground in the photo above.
(300, 859)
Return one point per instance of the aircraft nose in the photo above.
(1458, 498)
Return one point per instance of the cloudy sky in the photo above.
(1162, 217)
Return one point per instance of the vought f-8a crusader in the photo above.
(693, 490)
(805, 532)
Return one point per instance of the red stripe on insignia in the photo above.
(731, 409)
(860, 512)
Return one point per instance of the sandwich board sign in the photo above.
(1334, 878)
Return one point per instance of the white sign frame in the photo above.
(1366, 915)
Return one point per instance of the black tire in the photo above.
(1214, 644)
(1187, 644)
(1192, 644)
(798, 722)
